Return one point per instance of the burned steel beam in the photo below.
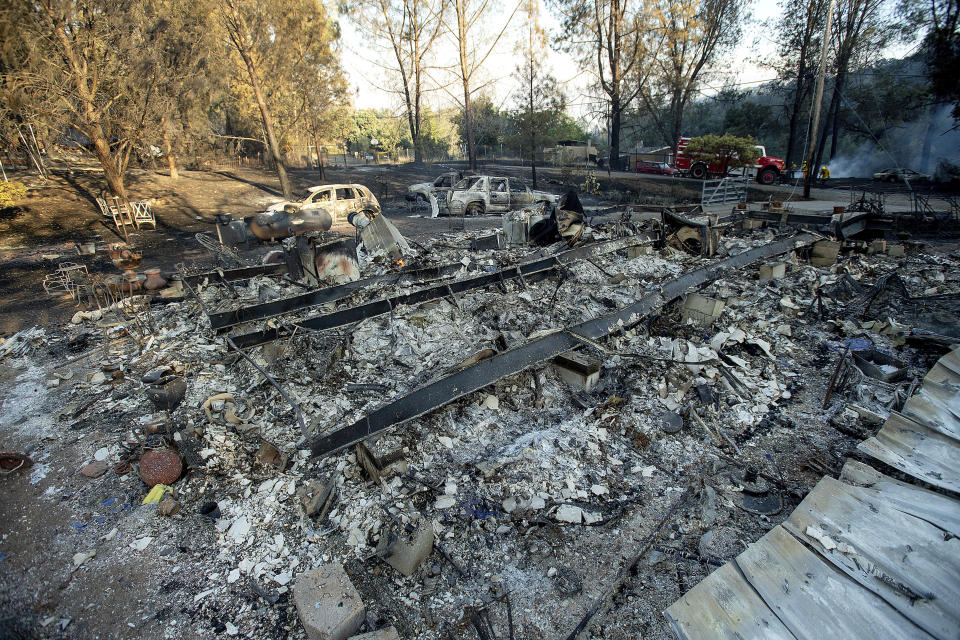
(238, 274)
(534, 270)
(815, 219)
(456, 385)
(321, 296)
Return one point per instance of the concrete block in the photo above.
(485, 243)
(388, 633)
(701, 309)
(824, 253)
(406, 553)
(578, 370)
(328, 604)
(750, 223)
(895, 250)
(773, 271)
(877, 246)
(636, 252)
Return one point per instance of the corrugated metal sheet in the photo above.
(866, 556)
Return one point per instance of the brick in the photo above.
(636, 252)
(824, 253)
(773, 271)
(578, 370)
(406, 553)
(328, 604)
(701, 309)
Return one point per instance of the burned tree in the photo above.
(691, 36)
(799, 31)
(464, 31)
(236, 17)
(408, 29)
(608, 37)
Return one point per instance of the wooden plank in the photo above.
(815, 600)
(936, 508)
(910, 563)
(928, 410)
(917, 450)
(723, 605)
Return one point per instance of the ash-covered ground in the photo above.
(544, 499)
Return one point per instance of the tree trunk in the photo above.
(822, 144)
(468, 125)
(272, 143)
(94, 130)
(924, 162)
(836, 131)
(794, 120)
(615, 117)
(168, 147)
(316, 145)
(110, 171)
(676, 117)
(465, 77)
(530, 124)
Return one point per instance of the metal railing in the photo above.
(724, 190)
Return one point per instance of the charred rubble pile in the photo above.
(494, 440)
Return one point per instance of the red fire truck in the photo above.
(766, 170)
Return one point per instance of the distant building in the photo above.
(571, 152)
(650, 154)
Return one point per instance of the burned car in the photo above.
(478, 195)
(898, 174)
(339, 200)
(438, 187)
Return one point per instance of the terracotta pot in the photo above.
(160, 466)
(154, 280)
(133, 281)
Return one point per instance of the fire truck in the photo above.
(766, 170)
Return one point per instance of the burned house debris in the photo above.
(558, 427)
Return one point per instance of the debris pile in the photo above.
(640, 458)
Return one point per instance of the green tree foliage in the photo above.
(732, 152)
(748, 118)
(381, 125)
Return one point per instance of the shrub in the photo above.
(10, 192)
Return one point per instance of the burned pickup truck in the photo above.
(478, 195)
(439, 187)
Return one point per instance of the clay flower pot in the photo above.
(154, 280)
(160, 466)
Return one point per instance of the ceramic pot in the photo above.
(154, 280)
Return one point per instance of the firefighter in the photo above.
(824, 174)
(803, 169)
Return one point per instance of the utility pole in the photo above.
(818, 98)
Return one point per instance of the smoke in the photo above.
(903, 147)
